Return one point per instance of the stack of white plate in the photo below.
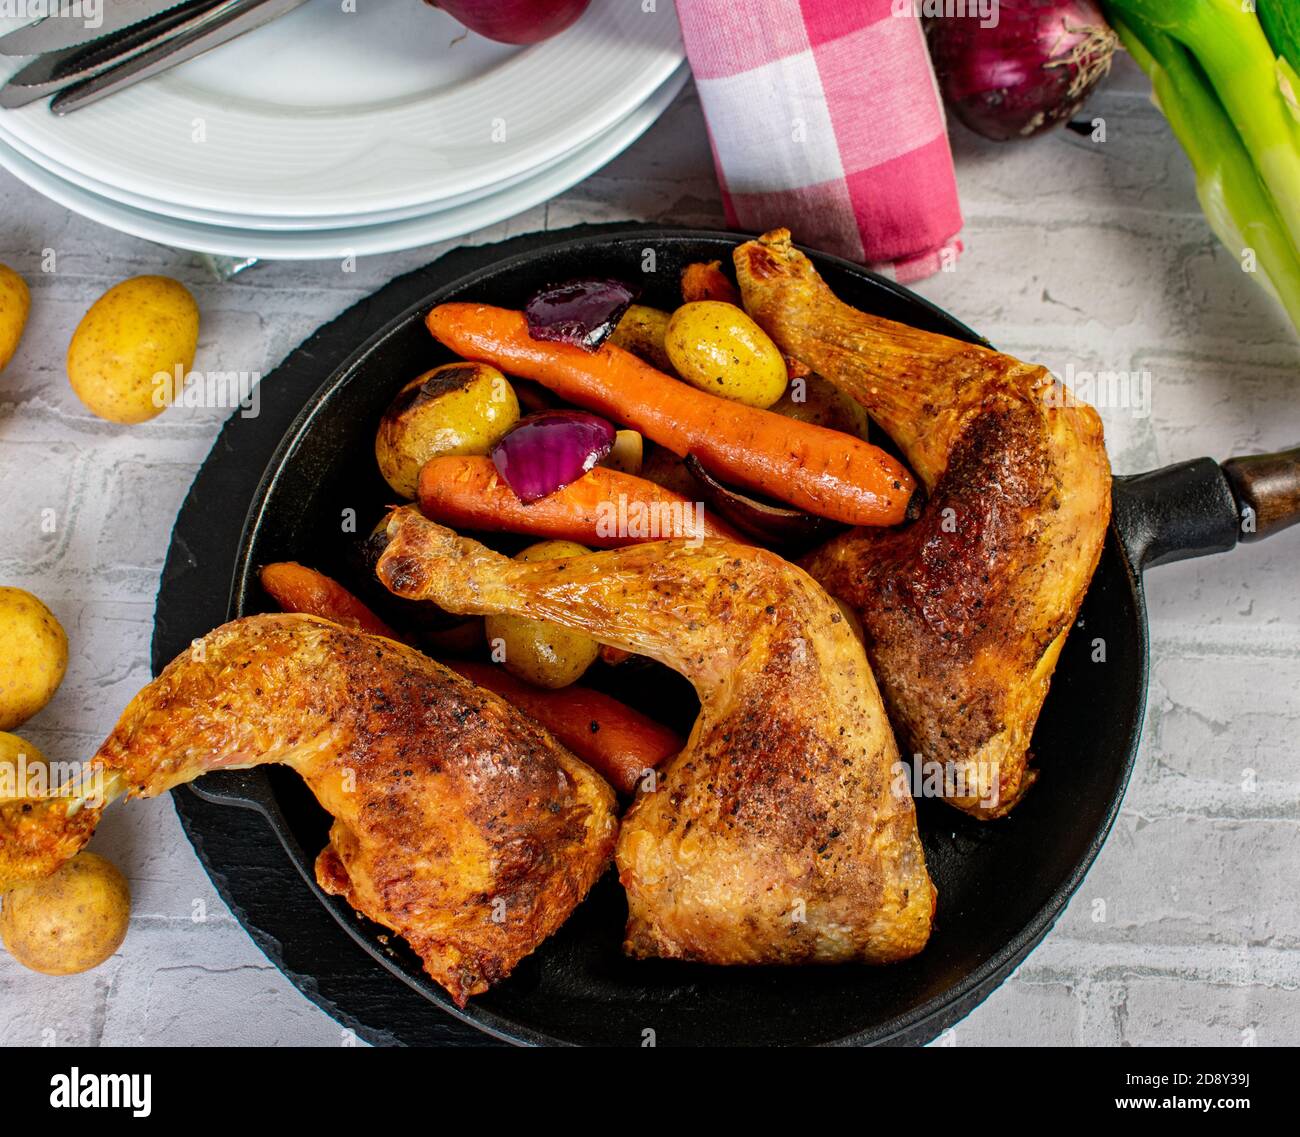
(332, 133)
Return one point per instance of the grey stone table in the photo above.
(1088, 256)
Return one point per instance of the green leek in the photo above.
(1281, 22)
(1230, 102)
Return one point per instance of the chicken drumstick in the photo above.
(458, 822)
(966, 610)
(782, 832)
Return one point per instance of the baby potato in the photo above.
(715, 346)
(543, 654)
(131, 351)
(24, 770)
(627, 453)
(33, 656)
(458, 408)
(15, 302)
(641, 331)
(818, 401)
(70, 921)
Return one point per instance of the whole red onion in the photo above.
(514, 21)
(1029, 69)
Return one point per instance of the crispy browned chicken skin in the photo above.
(965, 610)
(780, 833)
(459, 823)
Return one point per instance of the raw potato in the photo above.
(815, 400)
(455, 409)
(31, 778)
(15, 302)
(33, 656)
(716, 347)
(641, 331)
(131, 348)
(537, 652)
(70, 921)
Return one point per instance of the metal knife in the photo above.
(55, 70)
(70, 26)
(210, 28)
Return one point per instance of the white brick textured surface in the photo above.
(1080, 254)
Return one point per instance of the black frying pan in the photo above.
(1001, 884)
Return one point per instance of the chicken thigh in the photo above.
(965, 610)
(458, 822)
(782, 832)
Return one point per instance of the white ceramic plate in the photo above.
(251, 221)
(364, 241)
(328, 113)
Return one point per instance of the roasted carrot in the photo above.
(613, 656)
(604, 508)
(464, 638)
(619, 743)
(708, 282)
(297, 588)
(819, 470)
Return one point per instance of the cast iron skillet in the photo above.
(1001, 884)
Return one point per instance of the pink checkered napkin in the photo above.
(824, 118)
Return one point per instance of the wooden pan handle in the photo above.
(1267, 488)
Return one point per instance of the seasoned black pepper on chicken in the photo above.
(781, 833)
(459, 823)
(965, 610)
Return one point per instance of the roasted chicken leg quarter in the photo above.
(458, 822)
(782, 832)
(965, 610)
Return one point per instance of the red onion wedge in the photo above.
(1025, 68)
(763, 521)
(545, 452)
(579, 312)
(514, 21)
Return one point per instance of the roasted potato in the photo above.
(458, 408)
(24, 770)
(627, 453)
(716, 347)
(129, 355)
(33, 656)
(537, 652)
(641, 331)
(70, 921)
(818, 401)
(15, 302)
